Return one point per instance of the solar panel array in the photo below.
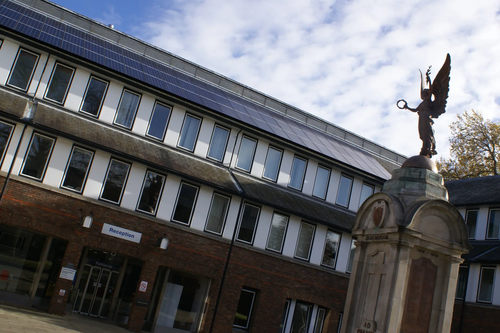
(83, 44)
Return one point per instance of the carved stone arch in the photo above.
(379, 211)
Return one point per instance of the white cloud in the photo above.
(345, 61)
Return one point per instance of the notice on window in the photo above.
(67, 273)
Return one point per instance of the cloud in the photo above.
(345, 61)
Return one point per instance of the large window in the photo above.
(277, 232)
(297, 174)
(77, 169)
(59, 83)
(321, 182)
(5, 135)
(217, 214)
(248, 223)
(246, 153)
(189, 132)
(184, 206)
(494, 223)
(115, 180)
(485, 292)
(463, 272)
(37, 158)
(125, 114)
(305, 241)
(159, 121)
(344, 193)
(244, 309)
(218, 143)
(302, 317)
(23, 69)
(272, 165)
(470, 221)
(330, 253)
(151, 192)
(94, 96)
(366, 191)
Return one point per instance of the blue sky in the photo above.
(347, 61)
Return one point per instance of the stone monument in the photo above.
(408, 248)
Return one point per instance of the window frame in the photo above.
(465, 269)
(188, 223)
(467, 211)
(102, 99)
(166, 123)
(327, 182)
(322, 323)
(336, 252)
(33, 70)
(350, 259)
(311, 243)
(349, 193)
(364, 185)
(252, 155)
(49, 155)
(255, 225)
(84, 182)
(296, 157)
(488, 225)
(223, 224)
(160, 193)
(225, 145)
(479, 286)
(7, 142)
(73, 70)
(195, 141)
(283, 236)
(124, 181)
(278, 167)
(134, 114)
(254, 292)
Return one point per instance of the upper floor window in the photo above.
(485, 292)
(298, 172)
(244, 309)
(463, 272)
(152, 188)
(366, 191)
(184, 205)
(351, 256)
(246, 153)
(305, 241)
(5, 135)
(114, 182)
(217, 214)
(23, 69)
(37, 158)
(344, 192)
(127, 108)
(321, 182)
(59, 83)
(94, 96)
(277, 233)
(494, 223)
(218, 143)
(272, 164)
(330, 253)
(189, 132)
(248, 223)
(159, 121)
(470, 221)
(77, 169)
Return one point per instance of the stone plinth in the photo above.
(409, 243)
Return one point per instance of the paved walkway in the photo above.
(17, 320)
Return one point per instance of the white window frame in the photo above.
(349, 192)
(277, 171)
(225, 214)
(49, 155)
(302, 177)
(192, 207)
(255, 226)
(195, 141)
(254, 292)
(92, 77)
(467, 222)
(283, 237)
(311, 242)
(327, 181)
(86, 173)
(134, 113)
(252, 155)
(479, 286)
(106, 179)
(225, 144)
(7, 142)
(498, 223)
(365, 185)
(336, 251)
(32, 70)
(166, 122)
(67, 87)
(159, 193)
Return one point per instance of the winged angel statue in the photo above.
(433, 105)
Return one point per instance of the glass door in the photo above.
(88, 293)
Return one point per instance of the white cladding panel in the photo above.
(482, 223)
(201, 148)
(175, 125)
(291, 236)
(344, 251)
(96, 174)
(318, 244)
(143, 114)
(202, 205)
(263, 225)
(111, 101)
(232, 217)
(58, 161)
(133, 186)
(77, 90)
(8, 53)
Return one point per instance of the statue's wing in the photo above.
(440, 88)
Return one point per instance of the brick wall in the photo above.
(476, 318)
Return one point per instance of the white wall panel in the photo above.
(207, 127)
(291, 236)
(58, 162)
(96, 174)
(143, 114)
(344, 251)
(77, 90)
(167, 201)
(263, 226)
(111, 101)
(318, 245)
(133, 186)
(201, 208)
(175, 125)
(8, 52)
(232, 217)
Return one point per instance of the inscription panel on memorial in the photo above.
(419, 295)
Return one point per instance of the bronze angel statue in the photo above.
(433, 105)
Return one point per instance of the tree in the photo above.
(474, 148)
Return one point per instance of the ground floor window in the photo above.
(485, 292)
(302, 317)
(244, 309)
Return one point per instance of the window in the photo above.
(218, 143)
(94, 96)
(151, 192)
(244, 309)
(114, 182)
(297, 173)
(485, 292)
(344, 192)
(217, 214)
(159, 121)
(284, 318)
(277, 232)
(184, 206)
(331, 249)
(321, 182)
(366, 191)
(248, 223)
(463, 272)
(351, 257)
(470, 221)
(59, 83)
(189, 132)
(494, 223)
(37, 158)
(305, 241)
(272, 164)
(23, 69)
(301, 317)
(320, 320)
(127, 108)
(5, 134)
(246, 153)
(77, 169)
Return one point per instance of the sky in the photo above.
(346, 61)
